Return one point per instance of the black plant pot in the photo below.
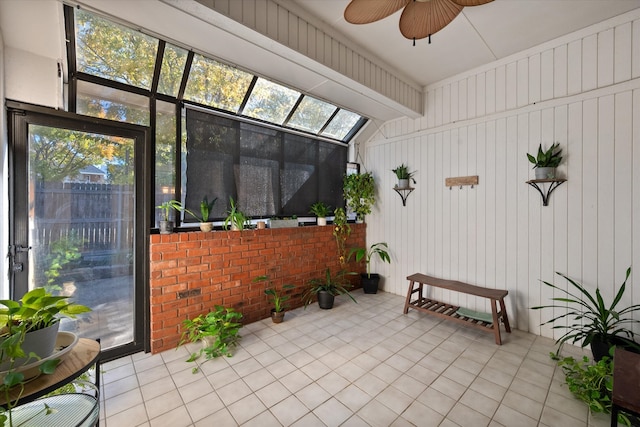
(325, 300)
(370, 283)
(601, 344)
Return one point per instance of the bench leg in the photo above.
(505, 318)
(408, 300)
(496, 324)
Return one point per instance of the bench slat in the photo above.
(454, 285)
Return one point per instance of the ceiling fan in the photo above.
(419, 19)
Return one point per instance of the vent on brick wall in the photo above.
(187, 294)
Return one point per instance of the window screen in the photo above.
(267, 171)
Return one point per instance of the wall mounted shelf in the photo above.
(403, 193)
(553, 184)
(461, 180)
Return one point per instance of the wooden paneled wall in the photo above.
(582, 91)
(294, 31)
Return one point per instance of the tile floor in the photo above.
(363, 364)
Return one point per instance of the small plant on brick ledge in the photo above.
(218, 330)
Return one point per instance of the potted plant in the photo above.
(546, 162)
(165, 225)
(320, 210)
(326, 288)
(370, 280)
(205, 210)
(359, 192)
(341, 231)
(404, 176)
(33, 323)
(236, 219)
(218, 330)
(591, 321)
(283, 222)
(278, 298)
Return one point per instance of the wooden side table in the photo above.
(626, 384)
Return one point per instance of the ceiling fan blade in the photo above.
(421, 19)
(367, 11)
(471, 2)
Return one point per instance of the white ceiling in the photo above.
(479, 35)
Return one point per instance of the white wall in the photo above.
(582, 91)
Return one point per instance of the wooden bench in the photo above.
(422, 303)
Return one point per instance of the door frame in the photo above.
(20, 116)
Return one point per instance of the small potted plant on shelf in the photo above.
(165, 224)
(359, 192)
(326, 288)
(205, 210)
(588, 321)
(278, 298)
(283, 221)
(371, 280)
(218, 331)
(236, 219)
(546, 162)
(320, 210)
(404, 176)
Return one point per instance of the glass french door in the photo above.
(76, 225)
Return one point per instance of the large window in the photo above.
(267, 171)
(297, 158)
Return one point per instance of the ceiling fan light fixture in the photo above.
(419, 19)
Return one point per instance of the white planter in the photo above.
(206, 226)
(322, 221)
(403, 183)
(283, 223)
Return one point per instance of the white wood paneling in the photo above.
(584, 94)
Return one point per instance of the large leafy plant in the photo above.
(37, 309)
(379, 249)
(335, 284)
(359, 192)
(592, 383)
(589, 317)
(219, 329)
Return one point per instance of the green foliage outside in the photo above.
(61, 252)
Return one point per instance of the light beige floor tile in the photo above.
(553, 417)
(194, 390)
(510, 417)
(178, 417)
(163, 403)
(221, 418)
(332, 412)
(309, 420)
(120, 386)
(464, 416)
(233, 392)
(123, 401)
(394, 399)
(273, 393)
(479, 402)
(333, 383)
(315, 369)
(246, 408)
(130, 417)
(376, 414)
(523, 404)
(312, 396)
(448, 387)
(204, 406)
(353, 398)
(111, 374)
(289, 410)
(264, 419)
(157, 388)
(437, 401)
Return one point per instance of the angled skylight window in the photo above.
(114, 52)
(311, 115)
(173, 62)
(270, 102)
(340, 126)
(217, 85)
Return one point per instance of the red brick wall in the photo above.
(191, 272)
